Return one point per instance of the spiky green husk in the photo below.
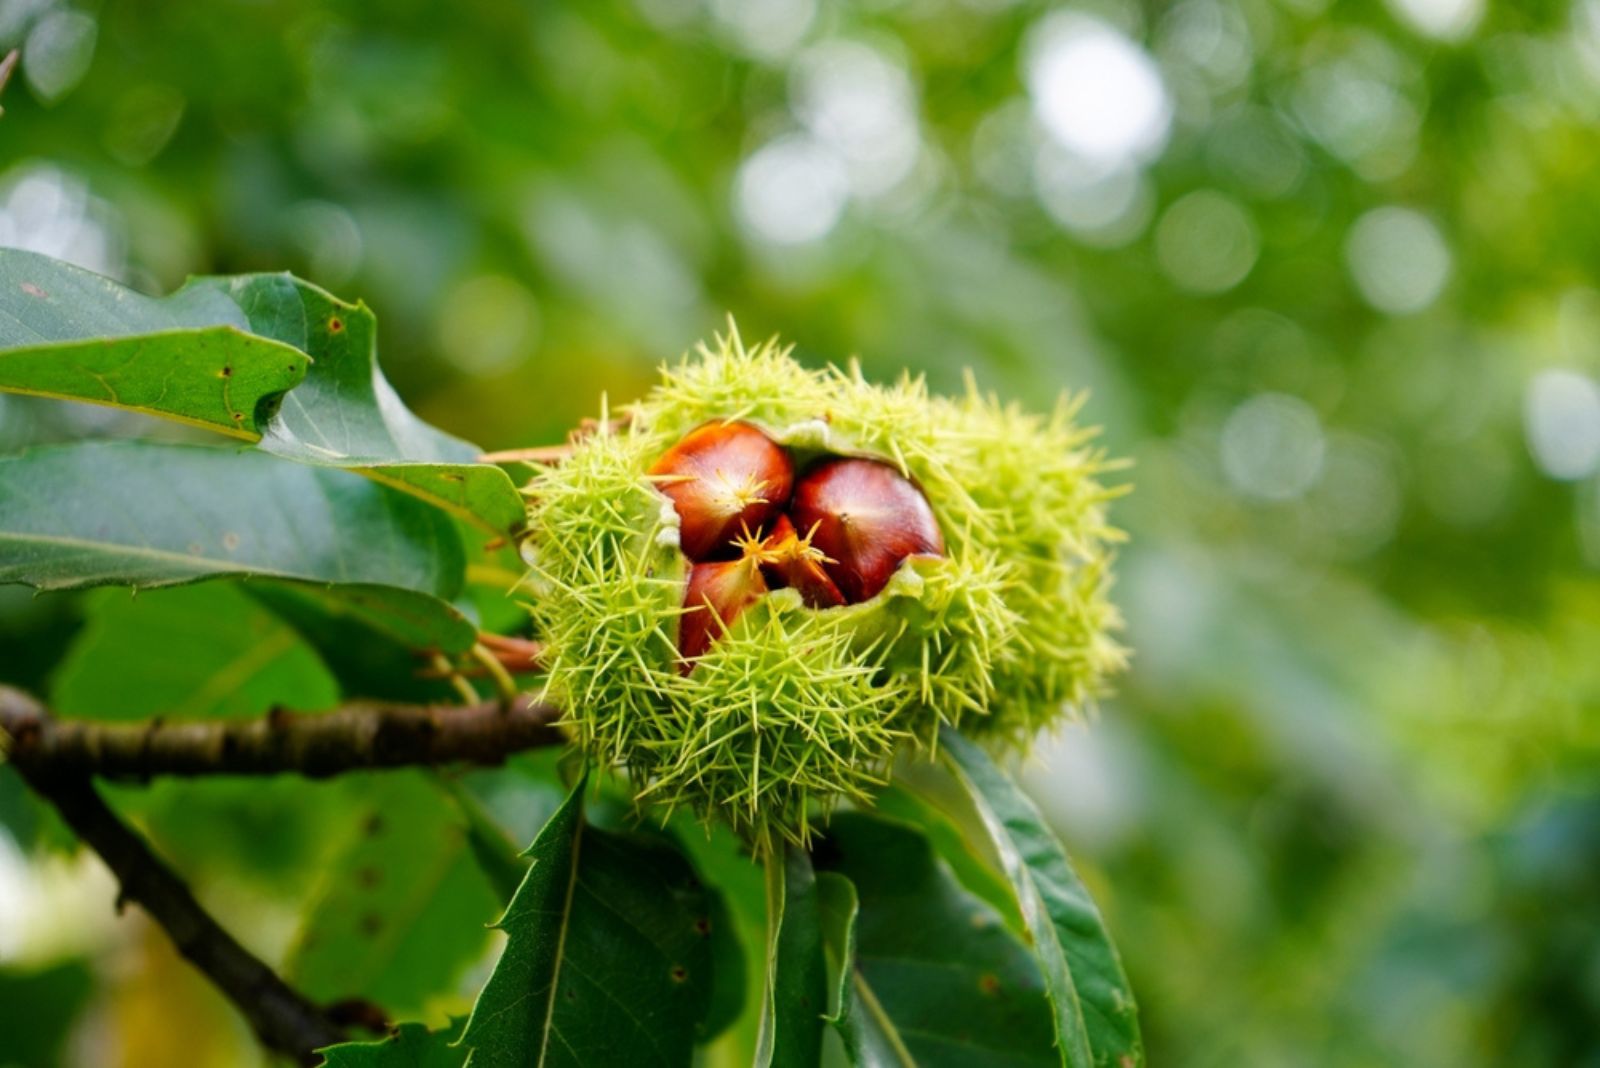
(795, 709)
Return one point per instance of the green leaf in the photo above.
(66, 332)
(937, 979)
(221, 353)
(738, 942)
(728, 973)
(403, 908)
(964, 849)
(39, 1008)
(607, 959)
(411, 1046)
(796, 991)
(492, 851)
(142, 514)
(346, 414)
(238, 658)
(369, 636)
(1097, 1021)
(837, 908)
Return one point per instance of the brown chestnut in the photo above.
(723, 478)
(713, 598)
(866, 518)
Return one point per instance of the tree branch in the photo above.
(314, 745)
(283, 1019)
(57, 757)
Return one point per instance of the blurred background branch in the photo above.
(285, 1020)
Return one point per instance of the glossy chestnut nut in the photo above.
(790, 560)
(713, 598)
(866, 518)
(723, 478)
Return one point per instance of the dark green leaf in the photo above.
(1097, 1021)
(796, 989)
(728, 972)
(346, 414)
(369, 636)
(142, 514)
(403, 909)
(938, 979)
(607, 959)
(724, 862)
(37, 1010)
(411, 1046)
(238, 658)
(220, 353)
(492, 851)
(837, 907)
(66, 332)
(965, 848)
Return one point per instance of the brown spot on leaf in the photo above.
(33, 290)
(989, 983)
(227, 371)
(371, 924)
(702, 927)
(679, 973)
(369, 876)
(335, 325)
(230, 541)
(373, 826)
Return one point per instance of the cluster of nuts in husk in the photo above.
(766, 582)
(836, 534)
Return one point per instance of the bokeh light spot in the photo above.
(1206, 242)
(859, 104)
(1100, 205)
(1444, 20)
(57, 53)
(1096, 91)
(1562, 413)
(1272, 447)
(792, 191)
(765, 29)
(1398, 260)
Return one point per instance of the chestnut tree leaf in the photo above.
(607, 958)
(346, 414)
(70, 333)
(142, 514)
(222, 353)
(239, 659)
(411, 1046)
(403, 908)
(922, 971)
(1096, 1018)
(796, 989)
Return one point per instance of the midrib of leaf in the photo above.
(142, 551)
(891, 1033)
(1072, 1037)
(561, 941)
(158, 413)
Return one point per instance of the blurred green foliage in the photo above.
(1327, 269)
